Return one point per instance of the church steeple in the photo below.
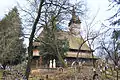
(74, 18)
(74, 24)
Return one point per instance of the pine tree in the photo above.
(11, 49)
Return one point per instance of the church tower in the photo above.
(74, 24)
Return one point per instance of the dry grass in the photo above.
(67, 74)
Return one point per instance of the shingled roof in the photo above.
(74, 42)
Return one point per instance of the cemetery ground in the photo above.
(59, 74)
(83, 73)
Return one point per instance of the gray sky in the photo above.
(6, 5)
(93, 5)
(102, 5)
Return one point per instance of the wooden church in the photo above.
(75, 40)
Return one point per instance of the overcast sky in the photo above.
(93, 5)
(6, 5)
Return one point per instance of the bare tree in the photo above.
(114, 6)
(30, 48)
(43, 10)
(92, 36)
(110, 47)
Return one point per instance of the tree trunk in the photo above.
(30, 48)
(61, 60)
(117, 73)
(28, 68)
(60, 57)
(93, 60)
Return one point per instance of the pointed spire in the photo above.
(74, 18)
(73, 13)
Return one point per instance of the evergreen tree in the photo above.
(11, 49)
